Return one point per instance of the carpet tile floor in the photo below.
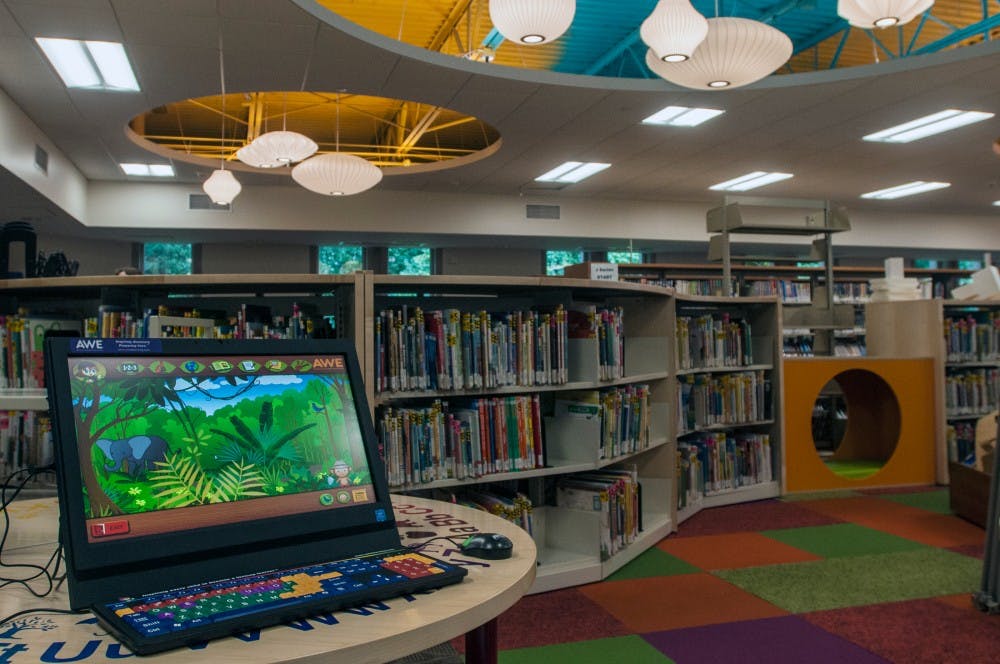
(862, 577)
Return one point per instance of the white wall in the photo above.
(293, 209)
(502, 262)
(217, 258)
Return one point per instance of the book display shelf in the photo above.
(552, 401)
(727, 368)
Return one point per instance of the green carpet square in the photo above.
(932, 501)
(632, 649)
(653, 562)
(842, 539)
(853, 581)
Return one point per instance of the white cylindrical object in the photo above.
(337, 174)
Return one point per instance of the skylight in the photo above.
(97, 65)
(908, 189)
(572, 171)
(928, 126)
(149, 170)
(750, 181)
(682, 116)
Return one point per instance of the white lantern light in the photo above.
(337, 174)
(532, 21)
(251, 155)
(222, 187)
(870, 14)
(283, 147)
(674, 30)
(736, 51)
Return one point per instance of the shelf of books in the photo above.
(553, 390)
(972, 374)
(728, 376)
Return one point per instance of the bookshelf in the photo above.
(728, 425)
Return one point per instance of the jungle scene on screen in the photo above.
(162, 442)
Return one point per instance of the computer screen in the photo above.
(177, 451)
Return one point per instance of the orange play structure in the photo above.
(890, 415)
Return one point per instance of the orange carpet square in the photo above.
(672, 602)
(912, 523)
(734, 550)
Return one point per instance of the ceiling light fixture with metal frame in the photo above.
(222, 186)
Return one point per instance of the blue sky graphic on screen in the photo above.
(177, 443)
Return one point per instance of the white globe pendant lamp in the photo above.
(870, 14)
(337, 174)
(532, 21)
(222, 187)
(674, 30)
(251, 155)
(736, 52)
(282, 147)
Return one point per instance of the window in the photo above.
(624, 256)
(338, 259)
(409, 260)
(555, 261)
(970, 265)
(166, 258)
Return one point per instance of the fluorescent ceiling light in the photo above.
(572, 171)
(928, 126)
(682, 116)
(908, 189)
(154, 170)
(99, 65)
(750, 181)
(996, 203)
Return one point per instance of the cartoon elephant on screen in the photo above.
(137, 454)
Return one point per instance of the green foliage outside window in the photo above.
(409, 260)
(166, 258)
(624, 256)
(556, 261)
(336, 259)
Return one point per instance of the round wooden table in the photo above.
(373, 633)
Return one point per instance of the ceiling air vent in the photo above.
(203, 202)
(42, 159)
(543, 211)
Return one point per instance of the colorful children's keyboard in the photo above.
(193, 614)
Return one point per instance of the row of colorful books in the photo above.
(615, 495)
(971, 391)
(722, 461)
(25, 440)
(454, 350)
(798, 345)
(851, 292)
(21, 349)
(708, 286)
(513, 506)
(969, 339)
(961, 440)
(460, 440)
(623, 414)
(790, 292)
(704, 400)
(714, 340)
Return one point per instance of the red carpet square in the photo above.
(749, 517)
(560, 616)
(672, 602)
(916, 632)
(910, 522)
(734, 550)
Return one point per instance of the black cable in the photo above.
(14, 616)
(51, 578)
(449, 538)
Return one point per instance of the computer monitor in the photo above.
(182, 460)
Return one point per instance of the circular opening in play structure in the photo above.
(855, 424)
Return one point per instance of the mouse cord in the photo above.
(452, 539)
(51, 576)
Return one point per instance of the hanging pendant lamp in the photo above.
(736, 52)
(222, 187)
(251, 155)
(674, 30)
(281, 148)
(532, 21)
(337, 174)
(870, 14)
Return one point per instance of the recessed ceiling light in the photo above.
(750, 181)
(151, 170)
(908, 189)
(98, 65)
(682, 116)
(928, 126)
(996, 203)
(572, 171)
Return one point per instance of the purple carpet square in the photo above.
(785, 640)
(971, 550)
(751, 517)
